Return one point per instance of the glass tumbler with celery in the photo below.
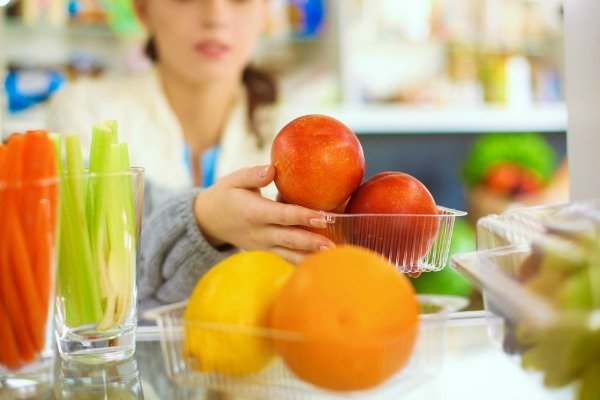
(100, 218)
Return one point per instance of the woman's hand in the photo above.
(232, 211)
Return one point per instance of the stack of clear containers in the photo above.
(539, 271)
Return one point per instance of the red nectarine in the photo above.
(318, 162)
(406, 235)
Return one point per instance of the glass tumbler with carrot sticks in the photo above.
(28, 219)
(100, 218)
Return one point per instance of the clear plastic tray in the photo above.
(539, 272)
(498, 273)
(527, 225)
(413, 243)
(278, 382)
(559, 347)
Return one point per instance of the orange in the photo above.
(354, 319)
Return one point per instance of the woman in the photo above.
(202, 98)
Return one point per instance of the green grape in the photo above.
(564, 350)
(525, 334)
(549, 355)
(594, 276)
(565, 270)
(589, 386)
(546, 283)
(562, 255)
(576, 293)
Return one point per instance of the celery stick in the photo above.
(112, 223)
(73, 284)
(57, 142)
(131, 225)
(75, 166)
(64, 256)
(127, 182)
(130, 249)
(70, 275)
(84, 272)
(121, 238)
(103, 136)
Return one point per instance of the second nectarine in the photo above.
(406, 223)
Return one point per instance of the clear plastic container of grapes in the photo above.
(539, 272)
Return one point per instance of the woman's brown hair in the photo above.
(260, 87)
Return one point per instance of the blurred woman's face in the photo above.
(204, 40)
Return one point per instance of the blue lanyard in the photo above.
(208, 164)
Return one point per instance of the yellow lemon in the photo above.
(227, 309)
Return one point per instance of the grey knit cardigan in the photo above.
(173, 252)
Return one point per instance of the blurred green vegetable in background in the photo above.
(447, 281)
(527, 150)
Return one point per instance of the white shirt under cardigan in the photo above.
(149, 126)
(174, 253)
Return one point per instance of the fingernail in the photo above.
(323, 248)
(317, 223)
(263, 171)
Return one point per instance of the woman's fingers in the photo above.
(267, 210)
(290, 214)
(232, 212)
(275, 213)
(250, 178)
(297, 239)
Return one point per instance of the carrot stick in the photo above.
(14, 306)
(18, 255)
(33, 154)
(9, 174)
(25, 282)
(14, 313)
(52, 171)
(3, 185)
(3, 157)
(37, 214)
(14, 164)
(38, 151)
(50, 219)
(41, 263)
(9, 351)
(3, 151)
(3, 211)
(46, 227)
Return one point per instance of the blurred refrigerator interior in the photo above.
(418, 80)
